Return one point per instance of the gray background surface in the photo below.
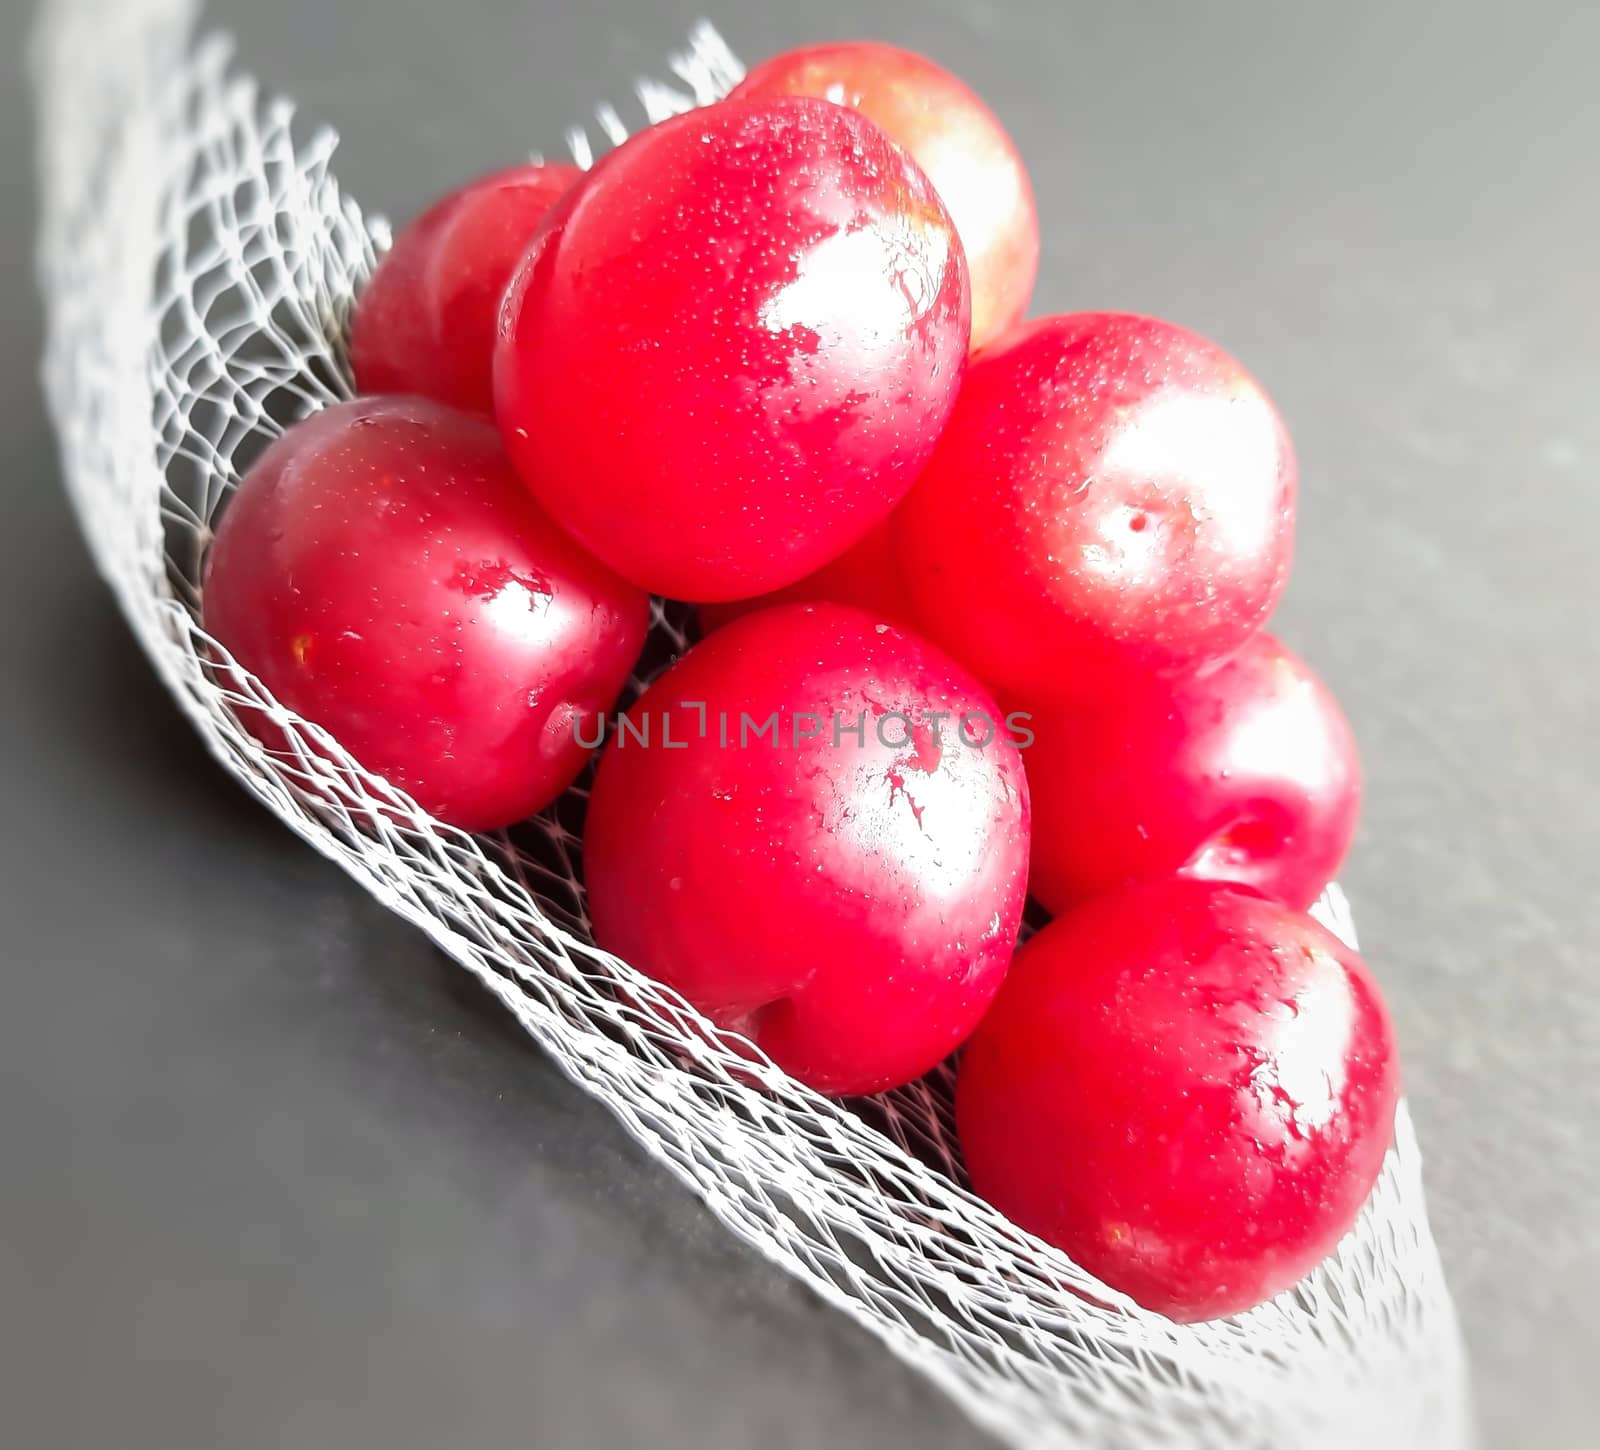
(273, 1175)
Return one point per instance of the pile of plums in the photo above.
(982, 603)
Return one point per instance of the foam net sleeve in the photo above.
(198, 261)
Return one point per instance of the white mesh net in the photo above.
(198, 263)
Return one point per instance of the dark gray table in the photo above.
(273, 1175)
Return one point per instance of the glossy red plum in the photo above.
(425, 323)
(1188, 1088)
(1244, 772)
(848, 901)
(953, 137)
(1114, 495)
(386, 575)
(733, 347)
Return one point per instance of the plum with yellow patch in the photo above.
(953, 136)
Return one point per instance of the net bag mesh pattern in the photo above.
(198, 261)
